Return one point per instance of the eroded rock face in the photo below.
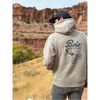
(21, 13)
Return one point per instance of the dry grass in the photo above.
(37, 86)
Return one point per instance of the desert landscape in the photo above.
(31, 27)
(31, 81)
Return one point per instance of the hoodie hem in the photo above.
(65, 83)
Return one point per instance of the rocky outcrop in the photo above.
(25, 36)
(31, 14)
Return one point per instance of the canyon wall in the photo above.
(21, 13)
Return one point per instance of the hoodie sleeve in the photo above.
(49, 53)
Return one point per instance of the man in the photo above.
(65, 53)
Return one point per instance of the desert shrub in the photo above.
(27, 21)
(39, 60)
(17, 47)
(45, 25)
(29, 54)
(21, 53)
(30, 73)
(17, 25)
(37, 56)
(17, 56)
(22, 46)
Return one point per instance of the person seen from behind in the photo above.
(65, 53)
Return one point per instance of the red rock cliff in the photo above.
(21, 13)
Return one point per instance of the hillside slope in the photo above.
(31, 80)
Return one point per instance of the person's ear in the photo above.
(61, 18)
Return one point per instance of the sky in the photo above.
(42, 4)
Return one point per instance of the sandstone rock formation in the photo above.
(39, 18)
(31, 14)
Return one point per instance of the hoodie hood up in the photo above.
(64, 26)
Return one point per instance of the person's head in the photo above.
(59, 19)
(60, 16)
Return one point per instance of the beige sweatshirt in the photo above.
(65, 53)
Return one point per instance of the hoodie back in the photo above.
(65, 53)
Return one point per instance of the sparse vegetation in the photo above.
(45, 25)
(31, 73)
(32, 81)
(27, 21)
(21, 53)
(18, 25)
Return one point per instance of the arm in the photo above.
(49, 53)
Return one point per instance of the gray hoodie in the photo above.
(65, 53)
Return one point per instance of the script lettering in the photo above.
(70, 43)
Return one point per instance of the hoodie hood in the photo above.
(64, 26)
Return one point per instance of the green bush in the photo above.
(22, 46)
(45, 25)
(21, 53)
(17, 57)
(29, 55)
(27, 21)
